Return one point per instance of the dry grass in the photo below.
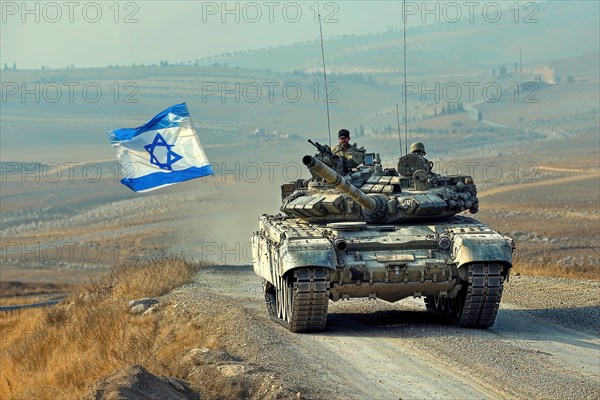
(58, 352)
(544, 261)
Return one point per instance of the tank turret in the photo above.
(373, 204)
(381, 196)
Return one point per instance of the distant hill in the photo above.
(555, 30)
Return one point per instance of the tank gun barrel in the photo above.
(341, 184)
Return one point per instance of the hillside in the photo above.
(449, 46)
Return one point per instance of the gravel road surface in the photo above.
(545, 343)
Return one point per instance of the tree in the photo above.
(14, 66)
(5, 66)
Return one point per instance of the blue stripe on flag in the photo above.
(161, 121)
(158, 179)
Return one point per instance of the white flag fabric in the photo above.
(162, 152)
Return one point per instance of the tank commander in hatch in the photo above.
(418, 148)
(351, 152)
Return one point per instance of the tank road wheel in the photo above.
(301, 300)
(430, 303)
(270, 299)
(476, 304)
(437, 303)
(441, 303)
(455, 306)
(284, 299)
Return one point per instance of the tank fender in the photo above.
(309, 252)
(476, 249)
(273, 260)
(262, 256)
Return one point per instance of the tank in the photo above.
(379, 233)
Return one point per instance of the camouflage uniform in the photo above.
(353, 154)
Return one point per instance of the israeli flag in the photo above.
(162, 152)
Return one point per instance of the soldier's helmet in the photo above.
(417, 147)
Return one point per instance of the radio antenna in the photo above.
(405, 99)
(399, 134)
(325, 78)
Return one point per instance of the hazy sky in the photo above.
(101, 33)
(88, 33)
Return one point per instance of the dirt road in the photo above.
(376, 350)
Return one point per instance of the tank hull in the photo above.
(435, 260)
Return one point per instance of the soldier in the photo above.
(418, 148)
(351, 152)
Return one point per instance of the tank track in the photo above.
(300, 300)
(476, 304)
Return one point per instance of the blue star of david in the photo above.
(172, 157)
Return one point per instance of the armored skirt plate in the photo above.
(348, 226)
